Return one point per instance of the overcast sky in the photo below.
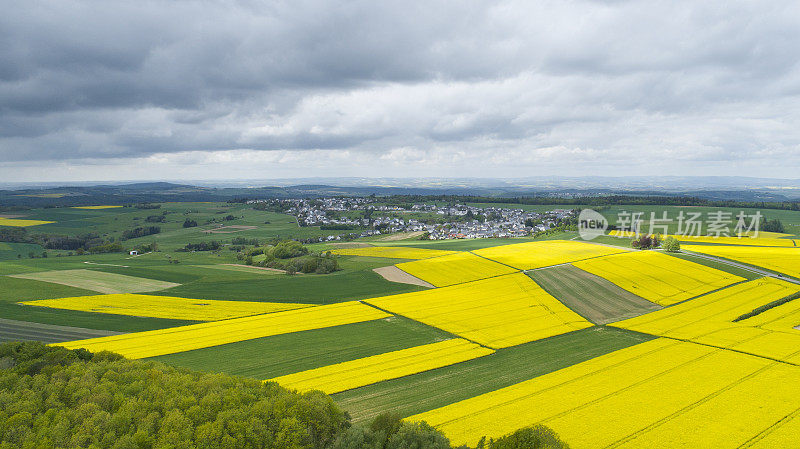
(105, 90)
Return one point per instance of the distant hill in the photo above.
(752, 190)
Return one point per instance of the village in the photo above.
(369, 216)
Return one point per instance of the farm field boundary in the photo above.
(658, 277)
(168, 341)
(593, 297)
(496, 312)
(391, 365)
(394, 274)
(284, 354)
(635, 398)
(165, 306)
(442, 386)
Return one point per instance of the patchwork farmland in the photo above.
(607, 346)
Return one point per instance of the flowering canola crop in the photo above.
(657, 394)
(356, 373)
(186, 338)
(784, 318)
(165, 306)
(20, 223)
(657, 277)
(497, 312)
(710, 320)
(781, 260)
(454, 269)
(527, 256)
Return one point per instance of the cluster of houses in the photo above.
(437, 222)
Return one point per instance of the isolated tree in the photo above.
(671, 244)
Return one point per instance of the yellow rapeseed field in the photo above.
(497, 312)
(19, 223)
(527, 256)
(96, 207)
(454, 269)
(658, 394)
(709, 320)
(165, 306)
(391, 365)
(763, 239)
(785, 317)
(392, 252)
(658, 277)
(781, 260)
(139, 345)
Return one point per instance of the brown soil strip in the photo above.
(12, 216)
(394, 274)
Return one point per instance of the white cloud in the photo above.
(201, 88)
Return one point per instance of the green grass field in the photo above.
(98, 281)
(201, 276)
(593, 297)
(307, 288)
(265, 358)
(112, 222)
(436, 388)
(14, 290)
(15, 251)
(621, 242)
(13, 330)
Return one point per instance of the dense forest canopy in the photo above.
(52, 397)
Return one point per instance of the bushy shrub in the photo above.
(534, 437)
(645, 242)
(289, 249)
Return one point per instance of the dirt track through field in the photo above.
(13, 330)
(394, 274)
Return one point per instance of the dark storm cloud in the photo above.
(402, 81)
